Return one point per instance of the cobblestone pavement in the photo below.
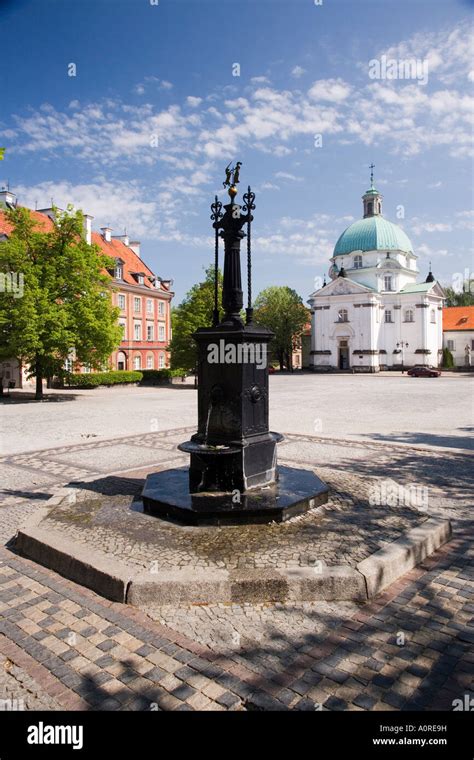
(410, 648)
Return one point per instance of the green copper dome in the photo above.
(372, 234)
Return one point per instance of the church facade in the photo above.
(373, 314)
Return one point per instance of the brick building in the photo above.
(144, 299)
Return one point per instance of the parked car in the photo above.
(420, 371)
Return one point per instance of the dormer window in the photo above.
(119, 272)
(141, 279)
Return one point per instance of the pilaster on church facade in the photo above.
(374, 314)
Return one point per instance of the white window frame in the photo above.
(358, 262)
(342, 315)
(388, 316)
(119, 272)
(161, 333)
(137, 302)
(388, 279)
(161, 308)
(137, 360)
(137, 327)
(148, 328)
(149, 361)
(121, 301)
(409, 315)
(451, 345)
(161, 361)
(149, 306)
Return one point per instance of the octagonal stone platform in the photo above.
(342, 550)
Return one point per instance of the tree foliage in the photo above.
(194, 311)
(462, 298)
(65, 303)
(281, 309)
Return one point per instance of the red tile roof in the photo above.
(116, 249)
(458, 318)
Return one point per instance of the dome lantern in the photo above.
(372, 198)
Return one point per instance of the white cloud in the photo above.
(287, 175)
(334, 90)
(193, 101)
(298, 72)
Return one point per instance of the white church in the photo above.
(373, 315)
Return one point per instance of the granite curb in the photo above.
(120, 582)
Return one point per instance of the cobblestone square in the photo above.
(410, 648)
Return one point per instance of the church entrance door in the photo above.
(343, 355)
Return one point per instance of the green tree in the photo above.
(463, 298)
(281, 309)
(194, 311)
(65, 301)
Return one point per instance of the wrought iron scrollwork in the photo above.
(249, 206)
(216, 216)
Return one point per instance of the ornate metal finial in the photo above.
(372, 167)
(216, 216)
(232, 178)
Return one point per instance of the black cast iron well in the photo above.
(233, 475)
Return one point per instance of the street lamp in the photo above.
(400, 347)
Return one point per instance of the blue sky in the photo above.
(139, 138)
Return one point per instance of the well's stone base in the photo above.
(166, 494)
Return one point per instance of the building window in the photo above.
(119, 272)
(433, 316)
(123, 327)
(161, 332)
(472, 345)
(161, 308)
(141, 279)
(450, 345)
(68, 365)
(137, 331)
(387, 282)
(342, 315)
(121, 301)
(388, 315)
(409, 315)
(358, 262)
(149, 306)
(149, 332)
(137, 362)
(137, 304)
(370, 207)
(149, 361)
(161, 361)
(86, 369)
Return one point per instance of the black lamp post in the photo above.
(400, 347)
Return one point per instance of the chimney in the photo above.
(88, 228)
(124, 238)
(135, 246)
(49, 212)
(106, 233)
(7, 198)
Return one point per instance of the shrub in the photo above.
(156, 376)
(94, 379)
(448, 360)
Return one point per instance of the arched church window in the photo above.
(342, 315)
(358, 262)
(409, 315)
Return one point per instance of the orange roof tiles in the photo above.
(458, 318)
